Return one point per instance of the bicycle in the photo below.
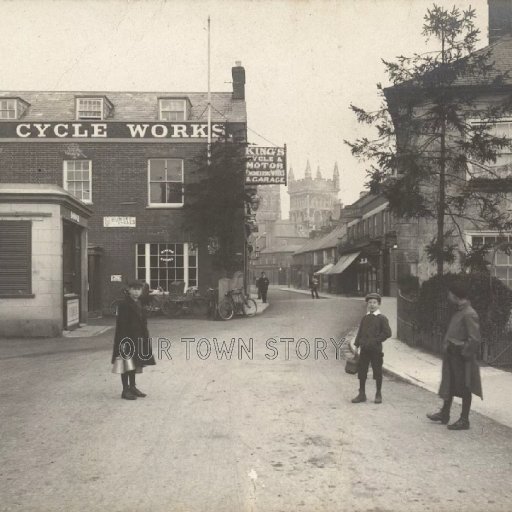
(190, 302)
(236, 302)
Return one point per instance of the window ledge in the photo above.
(17, 296)
(165, 206)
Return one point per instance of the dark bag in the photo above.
(352, 365)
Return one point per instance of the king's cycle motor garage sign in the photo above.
(265, 166)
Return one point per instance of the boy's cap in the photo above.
(373, 296)
(134, 283)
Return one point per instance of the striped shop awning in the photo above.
(344, 262)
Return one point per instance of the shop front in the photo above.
(43, 249)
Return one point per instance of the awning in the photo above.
(344, 262)
(325, 270)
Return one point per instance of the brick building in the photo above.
(127, 156)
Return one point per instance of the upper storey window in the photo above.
(173, 109)
(12, 108)
(502, 168)
(93, 108)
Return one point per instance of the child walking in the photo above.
(132, 345)
(373, 331)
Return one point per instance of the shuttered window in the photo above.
(15, 257)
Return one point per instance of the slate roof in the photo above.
(128, 106)
(326, 242)
(500, 55)
(281, 249)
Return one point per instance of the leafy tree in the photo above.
(215, 198)
(435, 147)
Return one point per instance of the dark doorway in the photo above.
(95, 275)
(71, 258)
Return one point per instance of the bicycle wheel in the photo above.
(170, 308)
(200, 307)
(226, 309)
(250, 308)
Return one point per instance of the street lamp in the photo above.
(256, 251)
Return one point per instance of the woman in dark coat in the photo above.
(460, 373)
(132, 344)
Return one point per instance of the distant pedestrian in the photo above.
(373, 331)
(313, 285)
(257, 283)
(262, 285)
(132, 345)
(460, 371)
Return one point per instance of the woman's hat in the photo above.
(373, 296)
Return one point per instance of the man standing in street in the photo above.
(262, 285)
(460, 371)
(373, 331)
(313, 284)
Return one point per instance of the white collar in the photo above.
(376, 312)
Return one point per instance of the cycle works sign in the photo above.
(110, 130)
(265, 166)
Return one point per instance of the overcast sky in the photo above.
(305, 60)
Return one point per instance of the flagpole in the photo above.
(209, 100)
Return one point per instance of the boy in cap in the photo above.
(373, 330)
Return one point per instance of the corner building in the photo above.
(127, 156)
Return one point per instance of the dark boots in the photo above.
(133, 389)
(130, 392)
(444, 414)
(361, 397)
(439, 416)
(463, 422)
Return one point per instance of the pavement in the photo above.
(423, 369)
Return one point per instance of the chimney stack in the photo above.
(500, 19)
(238, 74)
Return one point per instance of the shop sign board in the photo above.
(119, 222)
(265, 165)
(72, 312)
(110, 130)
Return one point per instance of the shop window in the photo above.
(16, 258)
(165, 182)
(173, 110)
(78, 179)
(160, 264)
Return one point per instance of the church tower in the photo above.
(313, 201)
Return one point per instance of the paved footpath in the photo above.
(424, 369)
